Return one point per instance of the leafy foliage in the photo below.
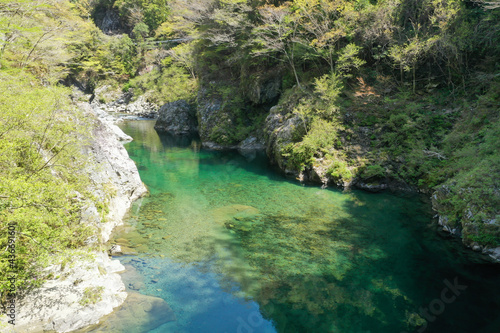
(170, 83)
(42, 185)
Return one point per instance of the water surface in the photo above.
(233, 246)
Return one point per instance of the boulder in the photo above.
(177, 117)
(281, 128)
(251, 143)
(139, 313)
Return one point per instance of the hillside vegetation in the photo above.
(44, 183)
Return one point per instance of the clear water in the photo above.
(232, 246)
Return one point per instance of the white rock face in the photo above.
(115, 171)
(67, 303)
(87, 289)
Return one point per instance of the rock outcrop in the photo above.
(108, 21)
(119, 183)
(264, 90)
(467, 228)
(251, 143)
(281, 128)
(85, 289)
(222, 122)
(213, 121)
(109, 100)
(83, 293)
(177, 117)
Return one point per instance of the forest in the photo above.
(380, 90)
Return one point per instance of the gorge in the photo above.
(315, 166)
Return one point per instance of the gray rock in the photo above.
(264, 90)
(63, 305)
(123, 104)
(116, 174)
(177, 117)
(281, 128)
(115, 250)
(493, 253)
(441, 205)
(109, 23)
(251, 143)
(215, 146)
(210, 114)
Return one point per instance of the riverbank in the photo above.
(87, 287)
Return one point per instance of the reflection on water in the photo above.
(233, 247)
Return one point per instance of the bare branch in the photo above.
(434, 154)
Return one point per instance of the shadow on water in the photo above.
(151, 140)
(359, 273)
(233, 247)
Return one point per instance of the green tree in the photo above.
(277, 35)
(43, 185)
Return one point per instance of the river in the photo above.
(233, 246)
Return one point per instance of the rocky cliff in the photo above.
(86, 287)
(472, 232)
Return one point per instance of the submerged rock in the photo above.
(139, 313)
(225, 214)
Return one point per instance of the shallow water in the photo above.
(233, 246)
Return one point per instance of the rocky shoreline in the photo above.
(87, 287)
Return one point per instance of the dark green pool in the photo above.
(233, 246)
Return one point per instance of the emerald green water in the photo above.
(232, 246)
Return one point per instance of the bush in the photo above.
(373, 171)
(169, 84)
(339, 170)
(321, 136)
(42, 184)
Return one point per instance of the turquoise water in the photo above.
(232, 246)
